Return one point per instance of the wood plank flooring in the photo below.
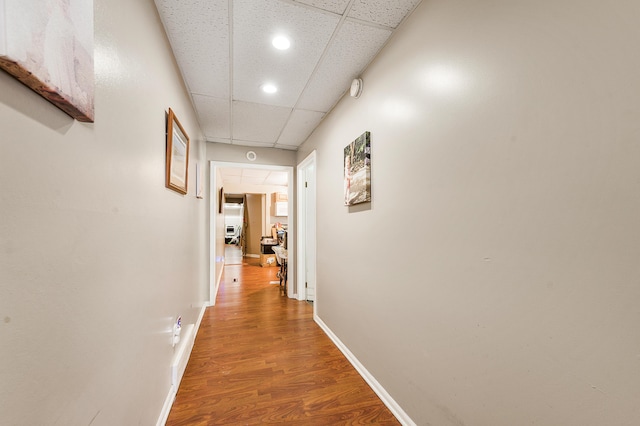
(260, 358)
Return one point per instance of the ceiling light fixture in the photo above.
(281, 42)
(269, 88)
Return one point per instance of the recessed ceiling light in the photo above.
(281, 42)
(269, 88)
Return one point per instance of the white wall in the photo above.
(507, 136)
(238, 154)
(97, 257)
(233, 215)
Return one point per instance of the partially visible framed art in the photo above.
(177, 155)
(48, 46)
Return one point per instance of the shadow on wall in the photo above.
(20, 98)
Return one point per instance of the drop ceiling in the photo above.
(250, 176)
(223, 49)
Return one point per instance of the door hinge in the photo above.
(305, 184)
(306, 285)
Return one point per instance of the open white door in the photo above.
(307, 228)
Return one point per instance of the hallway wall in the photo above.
(238, 154)
(506, 135)
(97, 257)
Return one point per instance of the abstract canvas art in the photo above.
(48, 46)
(357, 171)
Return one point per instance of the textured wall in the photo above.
(97, 257)
(505, 135)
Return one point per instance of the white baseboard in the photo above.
(166, 407)
(391, 404)
(199, 321)
(179, 364)
(181, 357)
(212, 302)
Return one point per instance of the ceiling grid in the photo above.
(223, 50)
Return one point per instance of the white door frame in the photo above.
(310, 160)
(213, 214)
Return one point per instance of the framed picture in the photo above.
(177, 155)
(357, 171)
(48, 46)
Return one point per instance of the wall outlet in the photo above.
(177, 328)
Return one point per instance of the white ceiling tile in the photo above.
(255, 173)
(253, 181)
(213, 115)
(231, 180)
(299, 127)
(258, 123)
(198, 31)
(253, 176)
(352, 50)
(335, 6)
(219, 140)
(383, 12)
(288, 147)
(277, 178)
(202, 39)
(252, 143)
(231, 171)
(256, 61)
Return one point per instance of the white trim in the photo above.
(175, 382)
(213, 196)
(213, 209)
(166, 407)
(310, 159)
(182, 354)
(200, 316)
(391, 404)
(214, 296)
(291, 239)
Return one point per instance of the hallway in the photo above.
(233, 254)
(260, 358)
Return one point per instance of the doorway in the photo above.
(233, 211)
(217, 226)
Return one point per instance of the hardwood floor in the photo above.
(260, 358)
(233, 254)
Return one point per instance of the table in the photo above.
(282, 256)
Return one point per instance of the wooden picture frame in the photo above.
(177, 166)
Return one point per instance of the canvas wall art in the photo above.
(48, 46)
(357, 171)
